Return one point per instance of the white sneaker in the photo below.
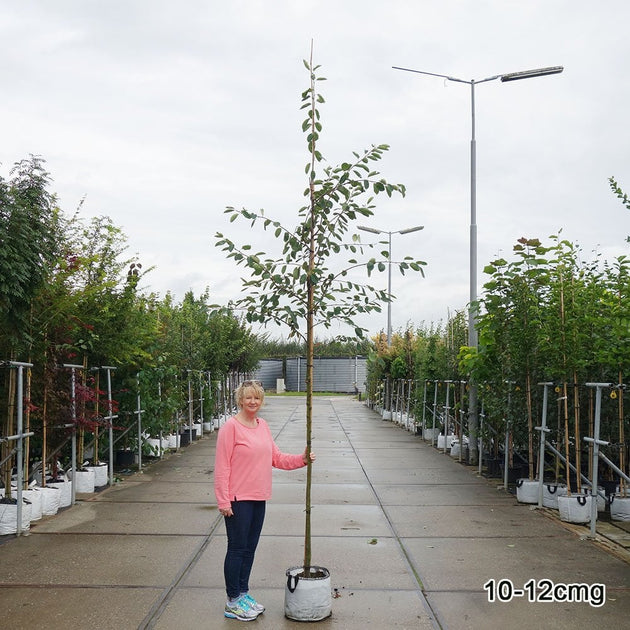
(240, 609)
(259, 608)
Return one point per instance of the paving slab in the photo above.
(437, 494)
(325, 493)
(472, 611)
(414, 476)
(138, 518)
(95, 560)
(328, 520)
(104, 608)
(160, 491)
(443, 563)
(448, 521)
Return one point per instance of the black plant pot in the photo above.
(516, 472)
(125, 458)
(493, 466)
(609, 486)
(184, 437)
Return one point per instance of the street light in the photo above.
(389, 274)
(472, 311)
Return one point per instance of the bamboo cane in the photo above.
(576, 415)
(530, 424)
(27, 427)
(10, 430)
(44, 429)
(567, 447)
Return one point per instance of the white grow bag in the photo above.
(527, 490)
(65, 490)
(84, 482)
(307, 598)
(34, 497)
(551, 492)
(619, 508)
(100, 474)
(51, 499)
(576, 508)
(8, 517)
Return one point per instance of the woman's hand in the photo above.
(305, 456)
(226, 512)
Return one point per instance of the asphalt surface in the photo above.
(412, 539)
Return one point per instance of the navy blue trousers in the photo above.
(243, 532)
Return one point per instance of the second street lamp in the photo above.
(389, 268)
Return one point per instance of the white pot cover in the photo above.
(444, 441)
(8, 518)
(155, 445)
(619, 508)
(306, 598)
(527, 491)
(51, 499)
(34, 497)
(576, 508)
(84, 481)
(551, 492)
(65, 491)
(100, 474)
(173, 440)
(428, 434)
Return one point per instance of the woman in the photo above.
(246, 453)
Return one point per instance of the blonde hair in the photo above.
(241, 391)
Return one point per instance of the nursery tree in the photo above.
(28, 238)
(309, 283)
(510, 330)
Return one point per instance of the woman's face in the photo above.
(251, 400)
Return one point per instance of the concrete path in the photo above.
(409, 535)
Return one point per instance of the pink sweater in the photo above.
(243, 463)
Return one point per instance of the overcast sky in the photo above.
(162, 113)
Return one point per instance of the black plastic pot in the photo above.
(493, 466)
(124, 459)
(184, 437)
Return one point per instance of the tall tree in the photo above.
(28, 246)
(309, 283)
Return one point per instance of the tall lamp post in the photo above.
(389, 271)
(472, 306)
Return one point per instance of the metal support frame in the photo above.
(19, 438)
(139, 412)
(482, 419)
(543, 436)
(73, 414)
(190, 408)
(596, 442)
(613, 466)
(435, 393)
(212, 411)
(446, 413)
(110, 417)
